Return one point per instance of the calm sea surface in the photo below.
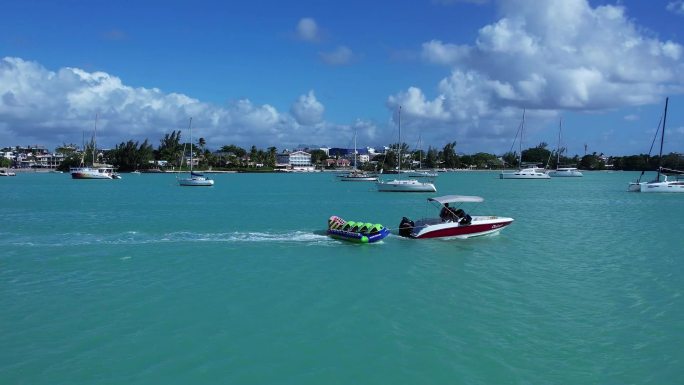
(140, 281)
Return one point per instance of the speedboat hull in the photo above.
(479, 226)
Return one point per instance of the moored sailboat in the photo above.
(195, 178)
(404, 185)
(657, 185)
(563, 171)
(96, 170)
(357, 175)
(528, 172)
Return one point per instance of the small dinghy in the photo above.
(358, 232)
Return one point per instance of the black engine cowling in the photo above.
(405, 227)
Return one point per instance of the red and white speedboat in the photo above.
(453, 222)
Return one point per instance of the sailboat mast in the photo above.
(560, 125)
(95, 139)
(355, 150)
(522, 128)
(662, 138)
(190, 129)
(420, 153)
(399, 149)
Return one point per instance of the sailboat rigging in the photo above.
(563, 171)
(404, 185)
(95, 170)
(523, 172)
(420, 173)
(195, 178)
(656, 185)
(355, 175)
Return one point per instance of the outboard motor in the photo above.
(405, 227)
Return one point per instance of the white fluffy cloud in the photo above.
(546, 56)
(307, 110)
(307, 29)
(39, 106)
(340, 56)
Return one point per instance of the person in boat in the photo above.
(444, 212)
(447, 214)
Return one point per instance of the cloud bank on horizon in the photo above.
(547, 57)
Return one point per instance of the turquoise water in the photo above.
(140, 281)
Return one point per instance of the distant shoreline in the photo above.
(51, 171)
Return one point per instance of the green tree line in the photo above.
(172, 152)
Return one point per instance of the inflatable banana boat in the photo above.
(358, 232)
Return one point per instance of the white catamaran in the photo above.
(657, 185)
(524, 172)
(563, 171)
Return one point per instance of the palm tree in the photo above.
(271, 162)
(253, 153)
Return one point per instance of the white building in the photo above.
(300, 159)
(297, 160)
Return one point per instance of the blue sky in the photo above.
(315, 72)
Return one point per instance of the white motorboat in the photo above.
(525, 173)
(657, 185)
(565, 172)
(453, 222)
(194, 179)
(96, 172)
(405, 185)
(5, 172)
